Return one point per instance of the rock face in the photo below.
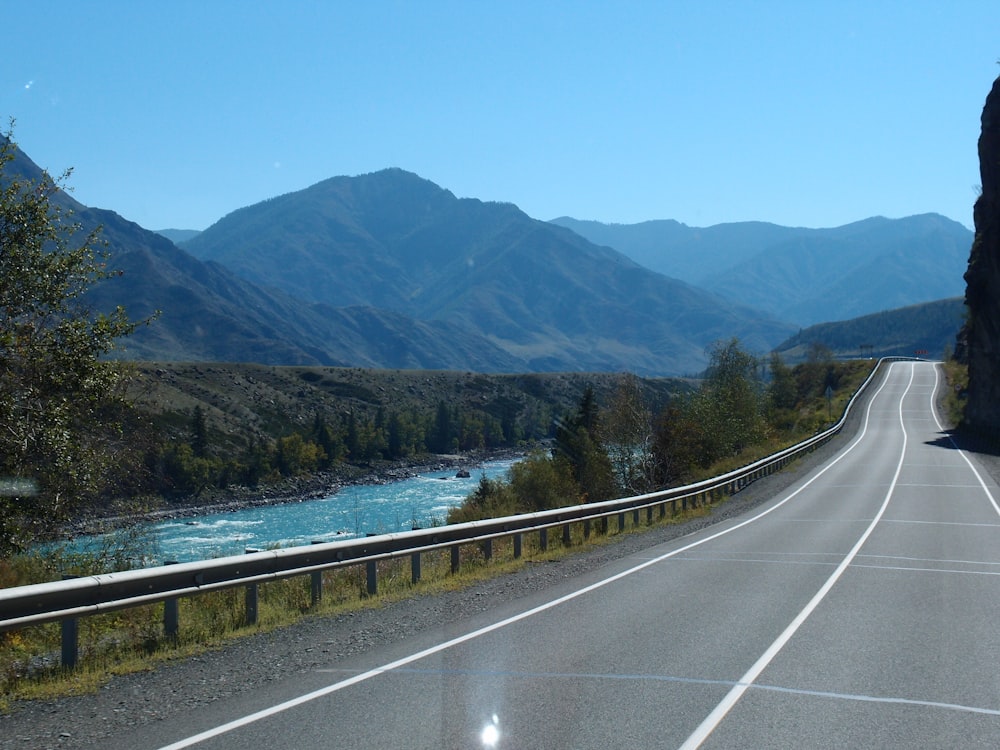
(979, 340)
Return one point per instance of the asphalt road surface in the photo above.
(858, 608)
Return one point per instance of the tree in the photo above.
(782, 392)
(578, 444)
(199, 432)
(440, 438)
(731, 399)
(627, 431)
(722, 418)
(61, 400)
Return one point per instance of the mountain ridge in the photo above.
(390, 270)
(801, 274)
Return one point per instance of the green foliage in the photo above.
(628, 432)
(62, 403)
(579, 450)
(730, 399)
(782, 391)
(199, 432)
(537, 482)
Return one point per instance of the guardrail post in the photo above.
(456, 559)
(415, 567)
(70, 649)
(315, 584)
(586, 529)
(517, 546)
(567, 539)
(604, 525)
(70, 645)
(649, 515)
(371, 577)
(621, 522)
(488, 549)
(252, 595)
(635, 517)
(171, 615)
(543, 539)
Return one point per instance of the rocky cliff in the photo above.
(979, 341)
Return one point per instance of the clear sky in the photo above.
(804, 113)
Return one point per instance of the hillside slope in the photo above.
(929, 329)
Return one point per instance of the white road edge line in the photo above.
(967, 460)
(713, 720)
(402, 662)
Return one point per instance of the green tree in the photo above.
(353, 439)
(539, 482)
(814, 374)
(61, 400)
(440, 438)
(394, 437)
(722, 418)
(678, 444)
(578, 444)
(199, 432)
(782, 392)
(627, 432)
(730, 399)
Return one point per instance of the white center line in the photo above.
(713, 720)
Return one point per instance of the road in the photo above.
(859, 608)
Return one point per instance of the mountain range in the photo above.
(541, 293)
(388, 270)
(805, 276)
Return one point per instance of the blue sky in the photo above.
(801, 113)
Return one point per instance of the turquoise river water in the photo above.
(423, 500)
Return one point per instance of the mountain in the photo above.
(541, 293)
(929, 329)
(207, 313)
(802, 275)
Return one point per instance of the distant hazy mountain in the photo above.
(177, 236)
(930, 328)
(803, 275)
(541, 293)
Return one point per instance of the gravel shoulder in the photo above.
(171, 689)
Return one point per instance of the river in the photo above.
(423, 500)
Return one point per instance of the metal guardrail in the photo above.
(69, 599)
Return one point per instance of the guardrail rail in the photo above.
(72, 598)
